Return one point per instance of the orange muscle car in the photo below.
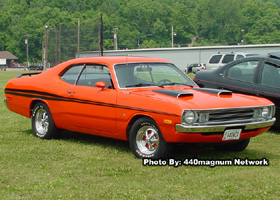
(147, 101)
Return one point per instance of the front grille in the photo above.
(232, 116)
(216, 121)
(228, 116)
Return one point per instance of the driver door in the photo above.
(91, 108)
(239, 77)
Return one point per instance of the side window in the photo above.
(71, 75)
(88, 75)
(215, 59)
(270, 75)
(228, 58)
(93, 74)
(243, 71)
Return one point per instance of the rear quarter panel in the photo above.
(17, 100)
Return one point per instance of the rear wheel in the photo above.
(146, 141)
(233, 146)
(42, 122)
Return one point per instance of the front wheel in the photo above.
(42, 122)
(146, 141)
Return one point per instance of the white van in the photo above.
(220, 59)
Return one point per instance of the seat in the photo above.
(235, 73)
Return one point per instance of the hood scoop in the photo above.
(220, 93)
(174, 93)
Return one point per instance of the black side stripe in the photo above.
(54, 97)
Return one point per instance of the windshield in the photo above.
(150, 74)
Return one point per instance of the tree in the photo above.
(219, 21)
(140, 23)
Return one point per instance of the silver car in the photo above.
(193, 68)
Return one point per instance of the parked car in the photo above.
(193, 68)
(220, 59)
(16, 65)
(36, 66)
(147, 101)
(257, 75)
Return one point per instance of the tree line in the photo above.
(140, 23)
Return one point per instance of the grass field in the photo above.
(80, 166)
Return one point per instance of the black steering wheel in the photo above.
(164, 81)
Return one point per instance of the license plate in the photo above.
(232, 134)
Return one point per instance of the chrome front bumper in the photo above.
(221, 128)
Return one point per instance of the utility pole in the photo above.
(45, 48)
(78, 40)
(172, 36)
(27, 51)
(101, 36)
(115, 39)
(59, 47)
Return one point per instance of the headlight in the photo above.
(267, 112)
(189, 117)
(203, 117)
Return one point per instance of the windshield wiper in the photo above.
(174, 83)
(145, 84)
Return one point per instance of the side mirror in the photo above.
(100, 84)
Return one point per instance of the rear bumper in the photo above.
(220, 128)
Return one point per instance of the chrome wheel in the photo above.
(41, 122)
(147, 140)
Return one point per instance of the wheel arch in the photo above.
(134, 119)
(34, 102)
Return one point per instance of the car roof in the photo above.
(234, 52)
(111, 60)
(274, 55)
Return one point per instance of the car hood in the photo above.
(202, 98)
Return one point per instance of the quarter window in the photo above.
(270, 75)
(71, 75)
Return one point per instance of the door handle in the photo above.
(71, 93)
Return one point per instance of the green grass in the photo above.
(80, 166)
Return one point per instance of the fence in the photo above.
(64, 43)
